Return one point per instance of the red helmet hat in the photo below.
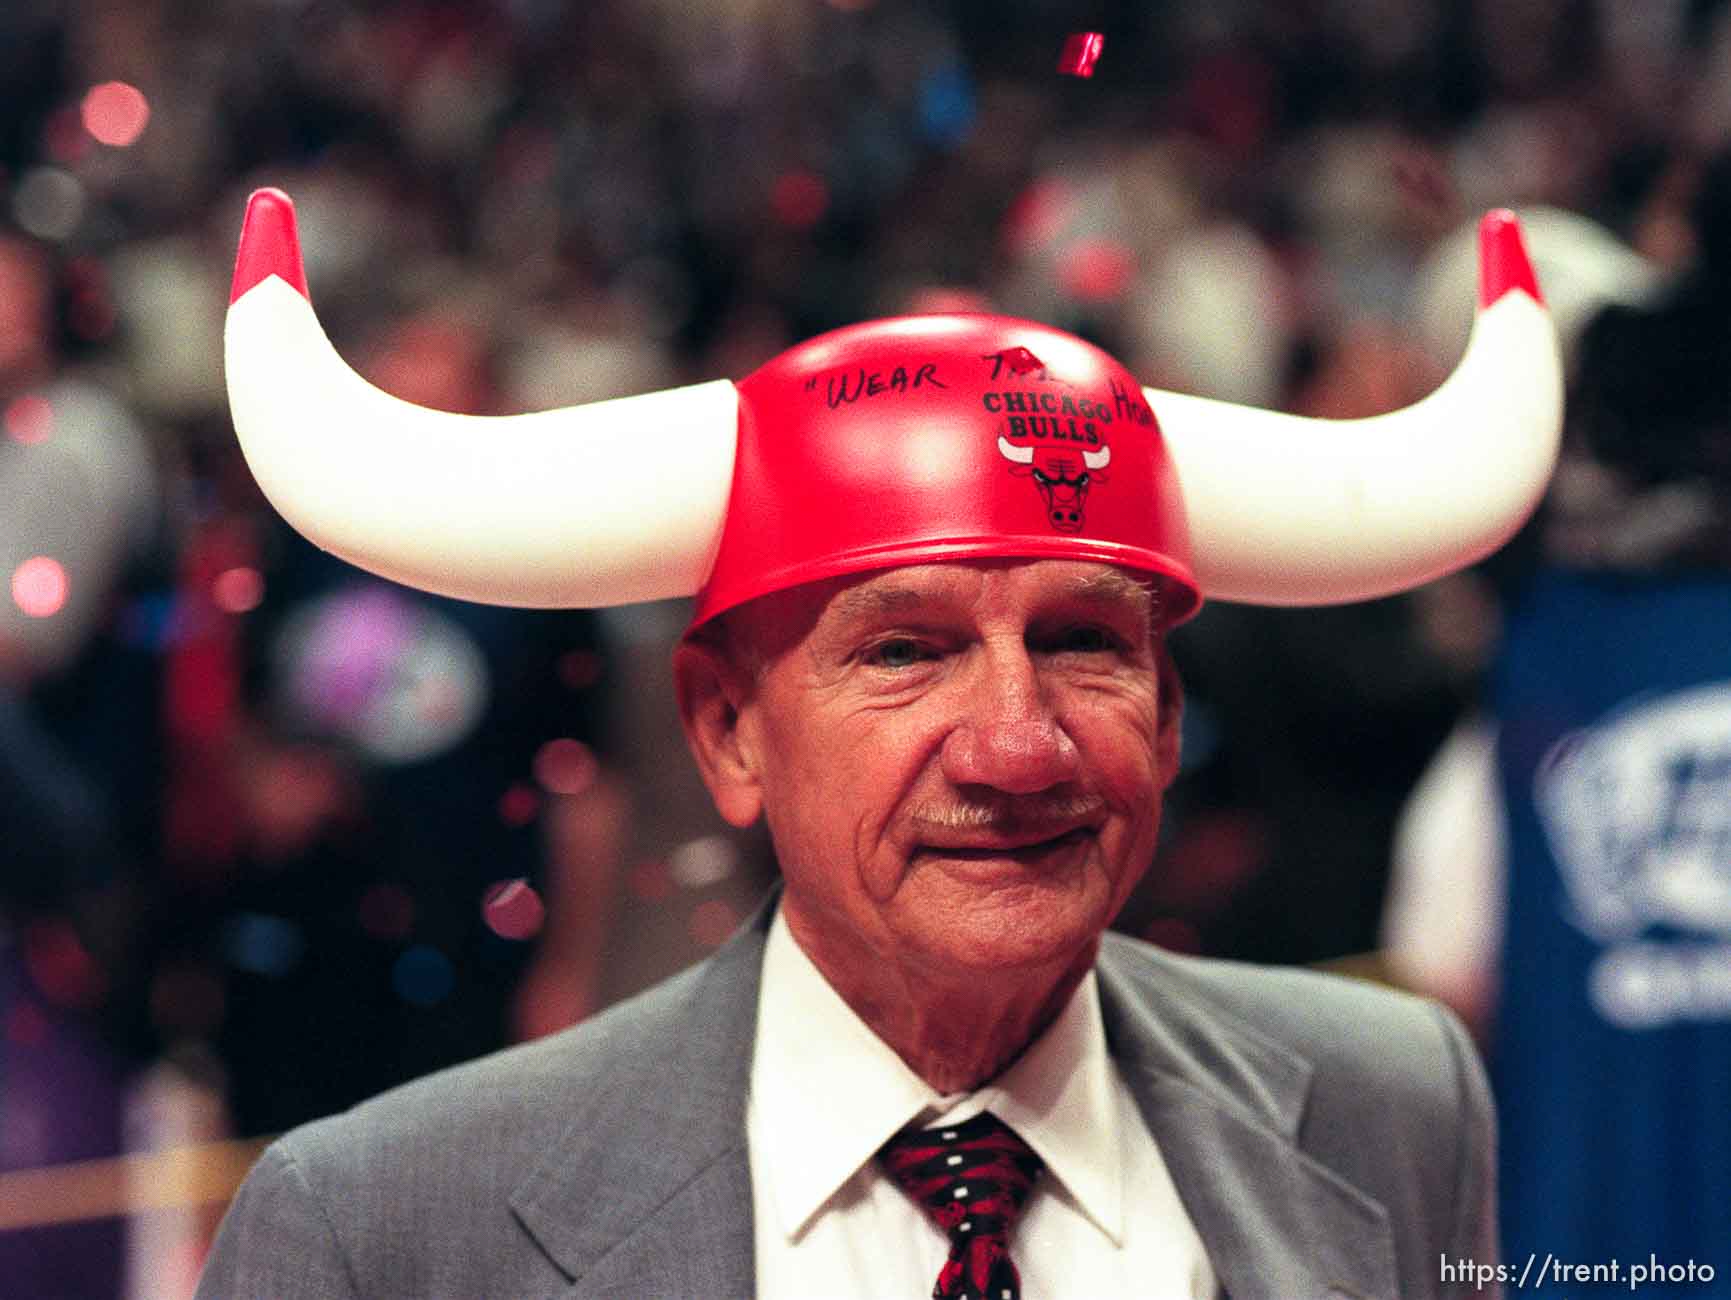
(895, 442)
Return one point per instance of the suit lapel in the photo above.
(648, 1192)
(1224, 1105)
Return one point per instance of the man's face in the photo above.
(961, 764)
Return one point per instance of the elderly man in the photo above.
(934, 562)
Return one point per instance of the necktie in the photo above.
(972, 1179)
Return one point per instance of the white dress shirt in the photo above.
(826, 1092)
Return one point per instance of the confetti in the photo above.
(1081, 53)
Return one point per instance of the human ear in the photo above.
(712, 690)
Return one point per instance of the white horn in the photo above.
(587, 506)
(1009, 451)
(1291, 511)
(1097, 459)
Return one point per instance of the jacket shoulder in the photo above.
(410, 1193)
(1344, 1027)
(1382, 1087)
(498, 1111)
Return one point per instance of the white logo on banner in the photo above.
(1637, 809)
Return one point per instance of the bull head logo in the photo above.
(1062, 485)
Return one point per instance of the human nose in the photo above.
(1008, 737)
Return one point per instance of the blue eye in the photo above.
(898, 652)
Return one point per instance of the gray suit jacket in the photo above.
(1327, 1138)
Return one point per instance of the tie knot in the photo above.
(972, 1179)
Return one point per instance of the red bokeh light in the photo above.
(580, 669)
(29, 419)
(565, 766)
(1037, 216)
(39, 586)
(238, 590)
(1096, 270)
(115, 113)
(64, 138)
(518, 805)
(60, 966)
(513, 910)
(799, 199)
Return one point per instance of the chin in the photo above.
(1000, 934)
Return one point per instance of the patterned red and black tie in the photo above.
(972, 1179)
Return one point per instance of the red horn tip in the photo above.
(1503, 260)
(269, 245)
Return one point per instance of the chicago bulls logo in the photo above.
(1062, 474)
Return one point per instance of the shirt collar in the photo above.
(827, 1092)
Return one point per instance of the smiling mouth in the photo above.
(1023, 852)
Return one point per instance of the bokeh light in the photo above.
(39, 586)
(29, 419)
(423, 976)
(49, 203)
(115, 113)
(260, 944)
(1096, 270)
(1038, 214)
(580, 669)
(64, 138)
(565, 766)
(89, 303)
(946, 104)
(513, 909)
(60, 966)
(705, 861)
(518, 805)
(238, 590)
(799, 199)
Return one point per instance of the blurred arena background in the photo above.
(275, 835)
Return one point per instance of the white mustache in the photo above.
(1010, 817)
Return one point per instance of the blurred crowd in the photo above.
(275, 835)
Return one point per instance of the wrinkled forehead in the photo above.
(972, 589)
